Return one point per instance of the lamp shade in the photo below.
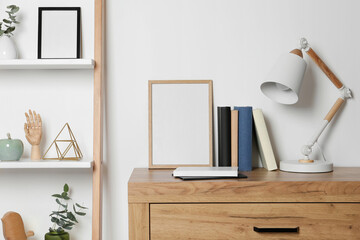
(284, 81)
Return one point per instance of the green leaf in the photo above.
(11, 6)
(15, 9)
(57, 195)
(63, 205)
(67, 198)
(71, 216)
(78, 213)
(79, 206)
(81, 213)
(66, 188)
(67, 227)
(67, 221)
(53, 219)
(7, 21)
(10, 30)
(57, 212)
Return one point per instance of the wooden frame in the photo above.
(210, 110)
(98, 92)
(78, 31)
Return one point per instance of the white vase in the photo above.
(7, 48)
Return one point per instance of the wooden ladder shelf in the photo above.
(97, 155)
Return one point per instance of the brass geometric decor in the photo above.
(66, 145)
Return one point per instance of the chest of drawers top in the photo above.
(158, 186)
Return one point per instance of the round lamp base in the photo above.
(318, 166)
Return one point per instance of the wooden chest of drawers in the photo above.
(266, 205)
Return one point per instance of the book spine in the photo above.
(263, 141)
(224, 136)
(245, 138)
(234, 137)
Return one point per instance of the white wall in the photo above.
(234, 43)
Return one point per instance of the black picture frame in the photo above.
(41, 31)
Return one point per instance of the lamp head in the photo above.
(284, 81)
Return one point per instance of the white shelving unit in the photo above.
(95, 65)
(28, 164)
(44, 64)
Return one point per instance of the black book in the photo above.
(224, 136)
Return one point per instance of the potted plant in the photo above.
(7, 28)
(65, 217)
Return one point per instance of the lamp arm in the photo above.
(344, 94)
(312, 54)
(307, 149)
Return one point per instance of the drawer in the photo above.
(254, 220)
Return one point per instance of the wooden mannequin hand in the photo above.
(33, 133)
(33, 128)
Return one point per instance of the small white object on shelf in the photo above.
(206, 172)
(32, 64)
(28, 164)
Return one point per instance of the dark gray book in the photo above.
(224, 136)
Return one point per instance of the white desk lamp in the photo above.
(283, 86)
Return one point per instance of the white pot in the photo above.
(7, 48)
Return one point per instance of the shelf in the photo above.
(28, 164)
(32, 64)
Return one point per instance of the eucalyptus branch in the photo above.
(7, 26)
(64, 218)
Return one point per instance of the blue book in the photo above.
(245, 138)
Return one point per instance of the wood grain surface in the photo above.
(323, 206)
(139, 219)
(98, 110)
(334, 109)
(324, 68)
(158, 186)
(297, 52)
(236, 221)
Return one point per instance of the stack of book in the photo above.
(235, 134)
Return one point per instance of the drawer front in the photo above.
(255, 221)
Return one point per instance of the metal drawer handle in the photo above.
(277, 230)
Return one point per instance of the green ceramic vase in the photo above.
(57, 236)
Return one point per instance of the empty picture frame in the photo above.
(59, 33)
(180, 123)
